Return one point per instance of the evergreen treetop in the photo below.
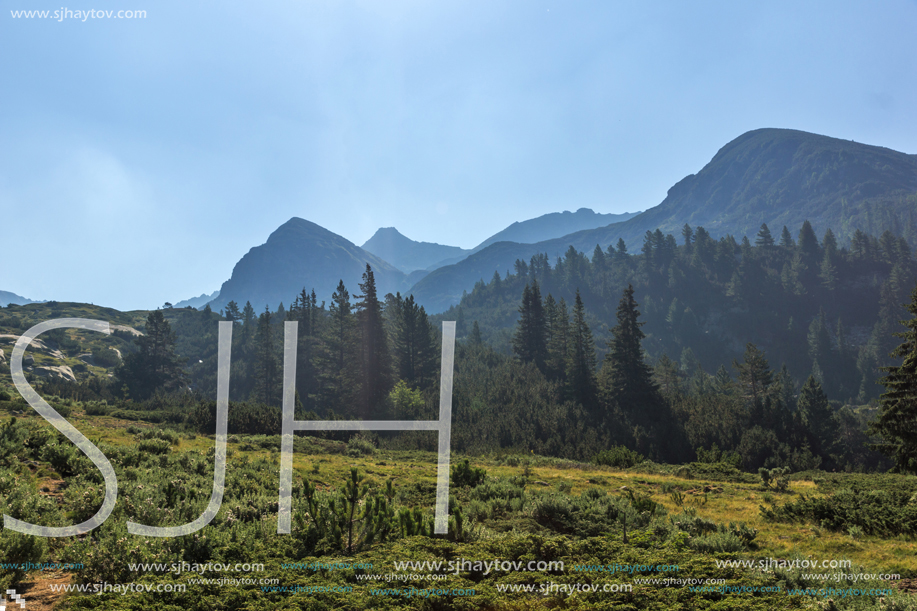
(897, 420)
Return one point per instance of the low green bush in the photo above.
(619, 457)
(876, 512)
(463, 474)
(360, 445)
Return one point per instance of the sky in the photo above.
(141, 158)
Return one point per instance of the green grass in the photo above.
(506, 534)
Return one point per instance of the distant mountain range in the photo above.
(553, 225)
(774, 176)
(7, 298)
(301, 254)
(198, 302)
(408, 255)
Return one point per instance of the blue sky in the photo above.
(141, 158)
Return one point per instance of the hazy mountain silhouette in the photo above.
(301, 254)
(774, 176)
(409, 255)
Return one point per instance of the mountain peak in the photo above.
(301, 254)
(387, 231)
(406, 254)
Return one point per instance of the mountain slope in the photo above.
(7, 298)
(783, 177)
(198, 302)
(774, 176)
(556, 224)
(407, 254)
(443, 287)
(302, 254)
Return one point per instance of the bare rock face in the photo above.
(63, 371)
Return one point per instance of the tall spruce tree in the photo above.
(626, 381)
(816, 413)
(786, 239)
(897, 420)
(558, 324)
(581, 359)
(755, 375)
(232, 311)
(807, 244)
(530, 339)
(267, 366)
(338, 362)
(306, 312)
(374, 355)
(413, 343)
(154, 367)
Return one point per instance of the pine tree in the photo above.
(819, 339)
(626, 381)
(558, 323)
(816, 414)
(598, 259)
(338, 362)
(688, 234)
(829, 242)
(808, 244)
(786, 240)
(374, 356)
(154, 367)
(649, 252)
(621, 250)
(581, 358)
(785, 388)
(827, 271)
(897, 419)
(248, 313)
(793, 275)
(475, 338)
(667, 376)
(755, 374)
(267, 367)
(232, 311)
(530, 339)
(413, 344)
(723, 382)
(305, 312)
(859, 245)
(764, 237)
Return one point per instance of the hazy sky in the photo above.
(141, 158)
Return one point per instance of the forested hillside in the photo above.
(817, 306)
(767, 354)
(773, 176)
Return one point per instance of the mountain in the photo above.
(409, 255)
(198, 302)
(444, 287)
(7, 298)
(300, 254)
(779, 177)
(406, 254)
(544, 227)
(554, 225)
(782, 177)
